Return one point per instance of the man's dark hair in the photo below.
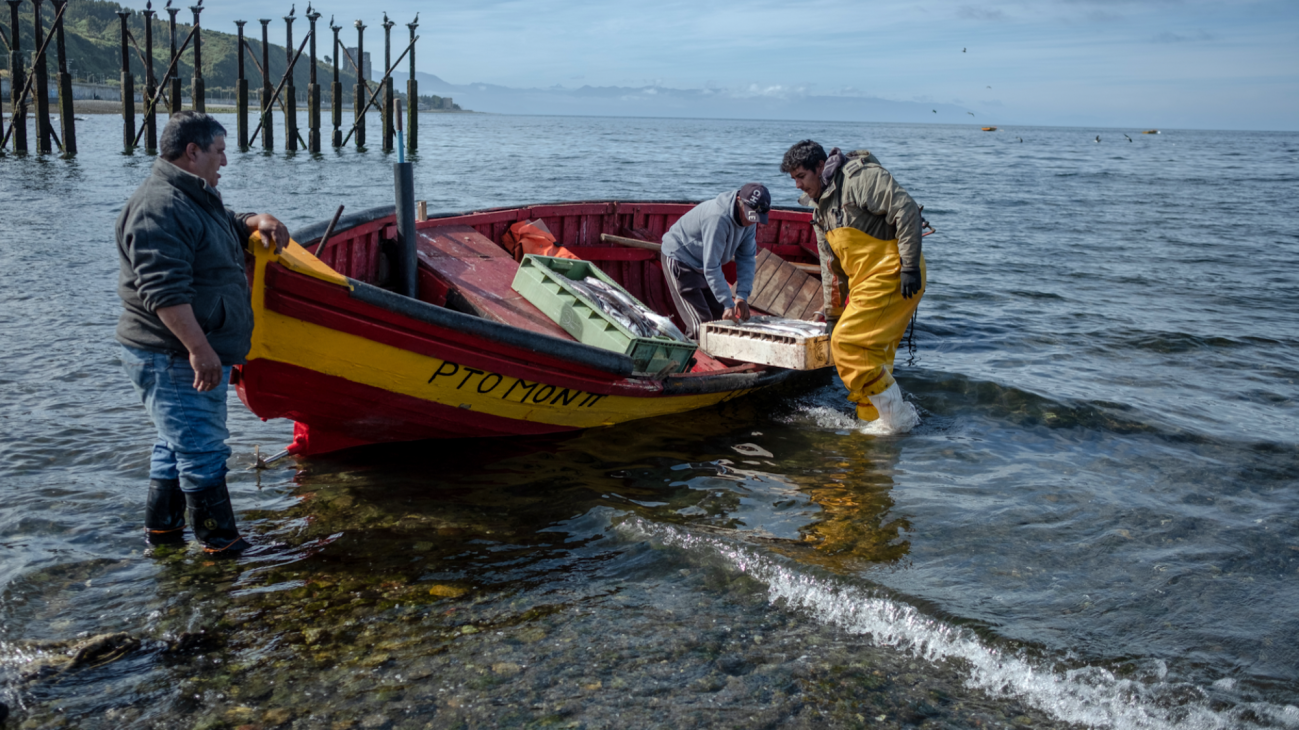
(806, 154)
(186, 127)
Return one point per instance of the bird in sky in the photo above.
(934, 111)
(1098, 138)
(989, 87)
(962, 50)
(970, 113)
(1021, 139)
(1129, 138)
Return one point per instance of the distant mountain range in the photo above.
(658, 101)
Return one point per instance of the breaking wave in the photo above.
(1091, 696)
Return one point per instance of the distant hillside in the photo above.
(93, 38)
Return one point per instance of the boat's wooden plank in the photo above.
(810, 290)
(460, 241)
(764, 299)
(608, 253)
(788, 252)
(765, 265)
(816, 304)
(569, 209)
(674, 209)
(479, 275)
(790, 289)
(474, 219)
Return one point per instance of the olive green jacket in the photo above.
(862, 195)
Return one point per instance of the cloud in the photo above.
(1167, 37)
(980, 12)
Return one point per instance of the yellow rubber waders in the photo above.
(866, 339)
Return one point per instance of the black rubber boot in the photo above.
(164, 513)
(213, 518)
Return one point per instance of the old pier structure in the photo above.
(142, 89)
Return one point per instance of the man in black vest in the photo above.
(187, 318)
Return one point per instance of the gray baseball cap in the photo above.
(756, 201)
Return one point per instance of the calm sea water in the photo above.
(1094, 526)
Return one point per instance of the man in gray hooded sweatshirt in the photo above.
(695, 248)
(187, 318)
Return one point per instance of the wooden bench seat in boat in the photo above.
(462, 269)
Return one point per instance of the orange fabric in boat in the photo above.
(462, 269)
(533, 237)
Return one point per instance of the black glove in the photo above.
(829, 324)
(911, 284)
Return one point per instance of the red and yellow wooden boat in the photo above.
(353, 363)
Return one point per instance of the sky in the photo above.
(1199, 64)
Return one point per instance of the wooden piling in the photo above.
(198, 97)
(387, 110)
(241, 92)
(268, 126)
(290, 100)
(336, 91)
(128, 89)
(17, 79)
(67, 117)
(313, 89)
(358, 101)
(150, 84)
(173, 78)
(412, 94)
(44, 145)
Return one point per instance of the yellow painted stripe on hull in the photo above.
(285, 339)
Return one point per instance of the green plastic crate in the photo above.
(545, 281)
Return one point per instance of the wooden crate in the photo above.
(727, 340)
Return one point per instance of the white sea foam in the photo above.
(1090, 696)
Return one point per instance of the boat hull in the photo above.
(353, 364)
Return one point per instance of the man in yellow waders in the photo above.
(872, 272)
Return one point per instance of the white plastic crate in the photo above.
(735, 341)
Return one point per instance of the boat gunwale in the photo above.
(312, 232)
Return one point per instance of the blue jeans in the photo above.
(191, 425)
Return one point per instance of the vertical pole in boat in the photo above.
(44, 144)
(128, 89)
(173, 80)
(412, 93)
(268, 127)
(336, 91)
(403, 174)
(198, 97)
(241, 92)
(150, 84)
(386, 115)
(358, 101)
(313, 90)
(67, 118)
(290, 99)
(17, 107)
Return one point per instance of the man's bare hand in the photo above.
(207, 368)
(271, 229)
(202, 358)
(738, 313)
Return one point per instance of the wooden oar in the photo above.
(329, 230)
